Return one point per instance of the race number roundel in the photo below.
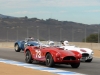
(38, 53)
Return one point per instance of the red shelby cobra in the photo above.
(52, 55)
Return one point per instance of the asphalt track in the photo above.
(92, 68)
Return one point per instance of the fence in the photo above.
(46, 33)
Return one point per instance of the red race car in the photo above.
(52, 55)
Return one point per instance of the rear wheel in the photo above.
(28, 57)
(75, 65)
(49, 60)
(17, 49)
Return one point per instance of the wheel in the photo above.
(75, 65)
(49, 60)
(28, 57)
(17, 49)
(89, 60)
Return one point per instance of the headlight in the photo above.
(79, 55)
(92, 53)
(58, 55)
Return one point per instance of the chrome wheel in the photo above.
(17, 49)
(28, 57)
(49, 60)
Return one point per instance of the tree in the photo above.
(92, 38)
(26, 17)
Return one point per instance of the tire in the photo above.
(75, 65)
(17, 49)
(89, 60)
(28, 57)
(49, 60)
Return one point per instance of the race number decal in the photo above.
(38, 53)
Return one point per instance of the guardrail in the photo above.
(94, 46)
(6, 44)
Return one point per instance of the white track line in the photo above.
(41, 68)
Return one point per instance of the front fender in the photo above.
(54, 54)
(79, 55)
(19, 44)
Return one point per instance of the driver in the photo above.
(65, 43)
(30, 39)
(51, 43)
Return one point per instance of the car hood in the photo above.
(66, 53)
(80, 50)
(62, 52)
(34, 43)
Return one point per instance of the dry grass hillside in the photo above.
(12, 29)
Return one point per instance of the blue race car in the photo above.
(20, 45)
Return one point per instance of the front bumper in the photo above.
(86, 57)
(67, 60)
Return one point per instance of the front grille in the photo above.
(69, 58)
(85, 55)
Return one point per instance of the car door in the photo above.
(22, 45)
(38, 54)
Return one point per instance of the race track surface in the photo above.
(92, 68)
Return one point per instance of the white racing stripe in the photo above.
(37, 67)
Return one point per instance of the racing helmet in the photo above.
(66, 43)
(51, 43)
(31, 39)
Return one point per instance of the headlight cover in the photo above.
(92, 53)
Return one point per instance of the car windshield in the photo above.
(29, 39)
(34, 43)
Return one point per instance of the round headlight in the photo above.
(57, 55)
(92, 53)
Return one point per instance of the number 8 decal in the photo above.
(38, 53)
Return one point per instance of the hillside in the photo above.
(5, 16)
(12, 29)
